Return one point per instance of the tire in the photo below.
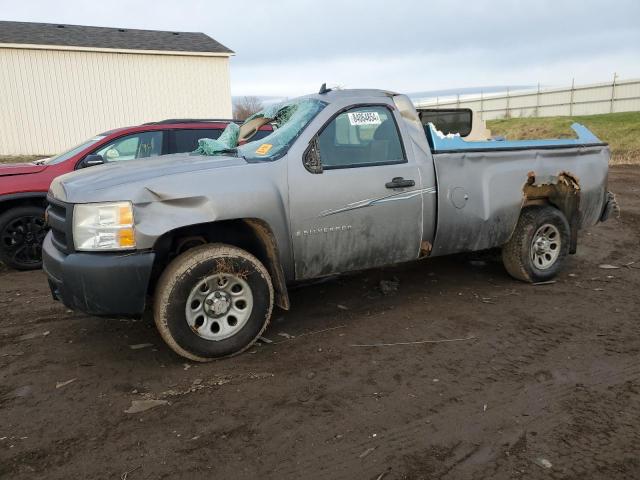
(219, 278)
(528, 257)
(22, 231)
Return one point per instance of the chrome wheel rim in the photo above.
(545, 246)
(219, 306)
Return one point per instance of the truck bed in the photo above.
(483, 185)
(445, 144)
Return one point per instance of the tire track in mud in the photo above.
(467, 458)
(512, 359)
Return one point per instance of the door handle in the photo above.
(399, 182)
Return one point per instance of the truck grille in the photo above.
(59, 218)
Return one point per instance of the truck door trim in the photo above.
(375, 201)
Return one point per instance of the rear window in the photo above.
(187, 140)
(260, 134)
(451, 120)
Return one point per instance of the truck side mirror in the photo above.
(311, 158)
(91, 160)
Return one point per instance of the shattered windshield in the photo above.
(289, 120)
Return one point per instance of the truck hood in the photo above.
(95, 184)
(20, 169)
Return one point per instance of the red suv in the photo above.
(24, 186)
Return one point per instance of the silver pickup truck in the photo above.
(348, 180)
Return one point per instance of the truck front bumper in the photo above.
(103, 284)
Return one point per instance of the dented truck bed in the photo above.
(485, 184)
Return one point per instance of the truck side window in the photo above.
(187, 140)
(130, 147)
(359, 137)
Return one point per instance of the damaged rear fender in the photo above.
(561, 191)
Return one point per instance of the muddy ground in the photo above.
(542, 382)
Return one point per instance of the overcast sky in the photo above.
(290, 47)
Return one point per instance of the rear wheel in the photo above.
(213, 301)
(540, 243)
(22, 231)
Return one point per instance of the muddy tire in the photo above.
(538, 246)
(22, 231)
(213, 301)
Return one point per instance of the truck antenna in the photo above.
(324, 89)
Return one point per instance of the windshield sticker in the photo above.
(364, 118)
(264, 149)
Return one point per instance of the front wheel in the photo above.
(213, 301)
(539, 245)
(22, 231)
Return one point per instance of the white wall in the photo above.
(51, 100)
(623, 96)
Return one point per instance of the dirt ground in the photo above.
(539, 382)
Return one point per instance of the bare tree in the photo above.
(245, 107)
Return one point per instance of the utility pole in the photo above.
(573, 86)
(507, 112)
(538, 101)
(613, 92)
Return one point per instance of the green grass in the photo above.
(620, 130)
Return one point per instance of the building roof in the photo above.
(64, 35)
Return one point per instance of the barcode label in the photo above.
(364, 118)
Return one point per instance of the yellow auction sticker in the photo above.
(264, 149)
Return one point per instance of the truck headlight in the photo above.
(103, 226)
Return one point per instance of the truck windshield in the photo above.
(74, 151)
(289, 120)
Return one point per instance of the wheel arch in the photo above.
(563, 193)
(251, 234)
(7, 202)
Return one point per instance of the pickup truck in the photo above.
(349, 180)
(24, 186)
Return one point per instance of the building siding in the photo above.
(51, 100)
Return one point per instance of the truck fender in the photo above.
(251, 234)
(268, 240)
(563, 192)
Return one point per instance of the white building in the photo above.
(60, 84)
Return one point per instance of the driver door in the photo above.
(365, 208)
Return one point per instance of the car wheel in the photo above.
(539, 245)
(213, 301)
(22, 231)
